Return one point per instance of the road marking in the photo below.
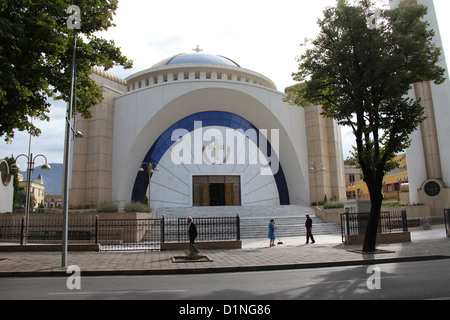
(113, 292)
(348, 280)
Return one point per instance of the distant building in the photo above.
(356, 188)
(37, 190)
(52, 201)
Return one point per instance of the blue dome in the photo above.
(197, 58)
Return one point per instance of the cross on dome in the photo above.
(197, 49)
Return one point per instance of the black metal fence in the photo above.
(128, 234)
(447, 221)
(356, 223)
(209, 229)
(44, 230)
(119, 234)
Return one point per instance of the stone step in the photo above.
(290, 220)
(286, 227)
(225, 211)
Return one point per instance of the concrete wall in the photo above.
(92, 155)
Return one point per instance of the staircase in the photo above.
(293, 226)
(244, 212)
(289, 220)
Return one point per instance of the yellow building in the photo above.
(356, 188)
(37, 189)
(52, 201)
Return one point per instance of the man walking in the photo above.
(308, 225)
(192, 234)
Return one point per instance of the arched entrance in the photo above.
(210, 119)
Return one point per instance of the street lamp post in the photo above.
(150, 171)
(314, 169)
(30, 169)
(73, 23)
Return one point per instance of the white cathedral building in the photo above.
(205, 132)
(198, 130)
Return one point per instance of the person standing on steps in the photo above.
(308, 225)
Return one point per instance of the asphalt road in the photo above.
(413, 280)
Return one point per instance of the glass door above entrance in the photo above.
(217, 190)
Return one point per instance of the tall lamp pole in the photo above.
(314, 169)
(73, 23)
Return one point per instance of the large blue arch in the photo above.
(208, 118)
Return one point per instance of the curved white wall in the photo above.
(6, 197)
(142, 115)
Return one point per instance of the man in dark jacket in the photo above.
(308, 225)
(192, 234)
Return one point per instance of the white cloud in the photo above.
(50, 142)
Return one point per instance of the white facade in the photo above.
(430, 148)
(161, 96)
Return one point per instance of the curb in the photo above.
(50, 248)
(210, 270)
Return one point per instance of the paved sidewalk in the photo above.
(328, 251)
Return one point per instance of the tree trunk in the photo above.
(370, 238)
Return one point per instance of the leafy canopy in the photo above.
(360, 75)
(36, 49)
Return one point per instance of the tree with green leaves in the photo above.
(360, 70)
(36, 47)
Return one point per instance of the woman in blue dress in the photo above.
(272, 232)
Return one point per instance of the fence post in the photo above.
(22, 231)
(347, 224)
(238, 227)
(178, 229)
(404, 221)
(96, 230)
(162, 228)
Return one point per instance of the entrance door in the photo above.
(217, 191)
(216, 194)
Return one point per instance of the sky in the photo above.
(260, 35)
